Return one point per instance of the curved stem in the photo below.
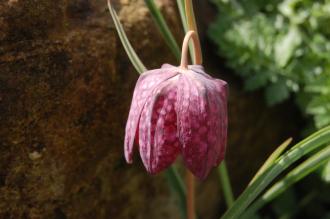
(185, 45)
(191, 23)
(190, 184)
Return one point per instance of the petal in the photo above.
(217, 105)
(158, 141)
(202, 122)
(164, 66)
(217, 95)
(144, 89)
(222, 90)
(199, 69)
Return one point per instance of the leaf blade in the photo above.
(182, 12)
(135, 60)
(271, 159)
(313, 142)
(298, 173)
(163, 28)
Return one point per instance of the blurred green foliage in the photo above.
(282, 46)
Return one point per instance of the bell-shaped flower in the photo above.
(178, 110)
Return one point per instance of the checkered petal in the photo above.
(144, 90)
(202, 121)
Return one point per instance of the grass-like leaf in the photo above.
(326, 172)
(163, 28)
(272, 158)
(313, 142)
(137, 63)
(182, 12)
(298, 173)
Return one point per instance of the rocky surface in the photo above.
(65, 88)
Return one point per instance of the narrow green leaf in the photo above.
(138, 65)
(177, 185)
(326, 172)
(163, 28)
(313, 142)
(298, 173)
(271, 159)
(182, 12)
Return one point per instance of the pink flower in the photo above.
(178, 111)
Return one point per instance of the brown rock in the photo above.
(65, 87)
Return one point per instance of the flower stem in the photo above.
(225, 183)
(184, 54)
(190, 186)
(191, 23)
(177, 185)
(163, 27)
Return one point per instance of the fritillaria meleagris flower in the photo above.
(174, 111)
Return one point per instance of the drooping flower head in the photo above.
(178, 110)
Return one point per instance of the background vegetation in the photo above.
(283, 48)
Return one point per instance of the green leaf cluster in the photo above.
(282, 46)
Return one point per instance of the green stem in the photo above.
(225, 183)
(163, 28)
(177, 185)
(182, 12)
